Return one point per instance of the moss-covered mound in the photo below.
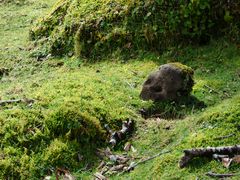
(34, 141)
(67, 119)
(95, 28)
(17, 2)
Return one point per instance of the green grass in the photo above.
(74, 99)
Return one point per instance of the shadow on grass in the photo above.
(173, 109)
(198, 163)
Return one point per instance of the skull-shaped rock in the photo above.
(170, 82)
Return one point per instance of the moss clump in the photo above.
(17, 2)
(188, 73)
(186, 69)
(187, 76)
(105, 26)
(42, 141)
(67, 121)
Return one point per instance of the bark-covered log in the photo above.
(189, 154)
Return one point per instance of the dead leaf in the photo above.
(101, 165)
(127, 147)
(80, 157)
(123, 160)
(99, 176)
(236, 159)
(226, 162)
(133, 149)
(68, 176)
(64, 173)
(117, 168)
(47, 178)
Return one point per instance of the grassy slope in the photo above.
(108, 91)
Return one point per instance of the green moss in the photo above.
(187, 77)
(60, 154)
(127, 26)
(186, 69)
(17, 2)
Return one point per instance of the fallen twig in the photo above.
(66, 174)
(117, 136)
(25, 100)
(226, 159)
(120, 164)
(133, 165)
(99, 176)
(211, 89)
(4, 102)
(224, 137)
(102, 153)
(211, 174)
(189, 154)
(120, 159)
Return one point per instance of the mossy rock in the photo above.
(171, 82)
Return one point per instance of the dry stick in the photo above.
(207, 152)
(211, 174)
(4, 102)
(117, 136)
(131, 167)
(99, 176)
(211, 89)
(224, 137)
(25, 100)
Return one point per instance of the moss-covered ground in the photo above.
(74, 99)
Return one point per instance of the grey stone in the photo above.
(170, 82)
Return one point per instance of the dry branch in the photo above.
(120, 164)
(25, 100)
(116, 136)
(207, 152)
(4, 102)
(211, 174)
(99, 176)
(133, 165)
(65, 173)
(224, 137)
(211, 89)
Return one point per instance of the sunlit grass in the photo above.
(74, 99)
